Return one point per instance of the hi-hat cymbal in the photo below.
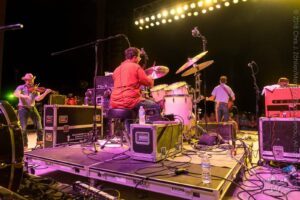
(197, 68)
(156, 72)
(191, 61)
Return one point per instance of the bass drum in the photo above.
(11, 148)
(180, 106)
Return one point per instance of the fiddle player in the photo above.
(128, 78)
(28, 94)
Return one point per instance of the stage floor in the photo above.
(114, 164)
(114, 168)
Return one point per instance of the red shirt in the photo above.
(128, 78)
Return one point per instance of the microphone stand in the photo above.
(198, 88)
(95, 44)
(257, 97)
(257, 92)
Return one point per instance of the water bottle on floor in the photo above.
(206, 169)
(142, 117)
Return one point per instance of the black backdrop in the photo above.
(263, 31)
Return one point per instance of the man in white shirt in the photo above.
(223, 96)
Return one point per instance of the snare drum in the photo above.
(158, 92)
(178, 88)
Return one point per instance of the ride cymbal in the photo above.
(197, 68)
(191, 61)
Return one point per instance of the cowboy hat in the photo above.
(28, 76)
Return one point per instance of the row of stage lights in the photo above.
(182, 11)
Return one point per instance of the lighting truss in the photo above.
(149, 16)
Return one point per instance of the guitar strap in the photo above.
(222, 86)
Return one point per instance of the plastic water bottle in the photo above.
(142, 118)
(206, 169)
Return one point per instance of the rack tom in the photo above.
(158, 92)
(178, 88)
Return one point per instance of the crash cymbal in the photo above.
(191, 61)
(156, 72)
(197, 68)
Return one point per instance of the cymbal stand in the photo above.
(197, 98)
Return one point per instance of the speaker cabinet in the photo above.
(280, 139)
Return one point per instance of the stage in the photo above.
(113, 164)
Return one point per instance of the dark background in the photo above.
(254, 30)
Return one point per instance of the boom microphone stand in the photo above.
(197, 92)
(95, 44)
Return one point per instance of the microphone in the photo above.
(12, 27)
(195, 32)
(251, 63)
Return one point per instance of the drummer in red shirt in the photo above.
(128, 77)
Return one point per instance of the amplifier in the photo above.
(57, 99)
(226, 130)
(154, 142)
(66, 124)
(279, 139)
(283, 102)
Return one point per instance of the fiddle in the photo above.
(36, 88)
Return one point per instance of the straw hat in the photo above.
(28, 76)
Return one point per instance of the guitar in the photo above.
(230, 103)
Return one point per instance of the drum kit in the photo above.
(176, 98)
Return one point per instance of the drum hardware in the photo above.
(197, 91)
(156, 72)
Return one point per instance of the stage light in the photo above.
(226, 3)
(152, 17)
(218, 6)
(147, 19)
(163, 21)
(172, 11)
(136, 22)
(179, 10)
(193, 5)
(204, 11)
(141, 28)
(176, 17)
(157, 23)
(195, 13)
(208, 2)
(141, 21)
(151, 24)
(170, 20)
(147, 26)
(10, 96)
(211, 8)
(182, 16)
(235, 1)
(200, 3)
(185, 7)
(165, 13)
(189, 14)
(158, 16)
